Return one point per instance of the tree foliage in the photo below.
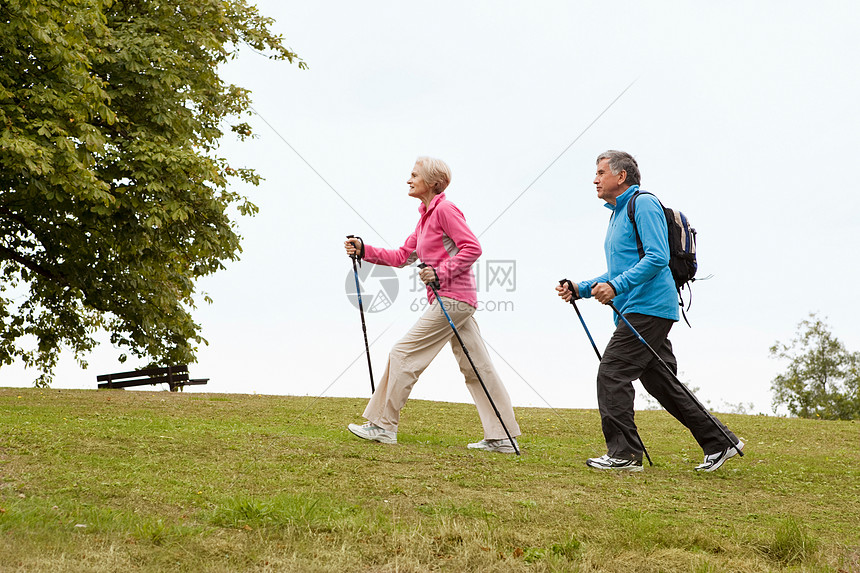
(823, 377)
(113, 198)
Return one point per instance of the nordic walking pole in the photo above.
(433, 286)
(687, 390)
(361, 308)
(569, 284)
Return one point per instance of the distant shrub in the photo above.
(823, 377)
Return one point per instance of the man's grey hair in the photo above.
(621, 161)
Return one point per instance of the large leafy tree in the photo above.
(113, 197)
(823, 377)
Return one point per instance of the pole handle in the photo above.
(434, 284)
(360, 255)
(571, 288)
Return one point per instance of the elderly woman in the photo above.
(443, 241)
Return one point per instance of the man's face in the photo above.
(609, 186)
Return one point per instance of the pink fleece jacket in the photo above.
(444, 241)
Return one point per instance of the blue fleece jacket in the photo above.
(643, 286)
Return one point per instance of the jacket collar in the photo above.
(622, 199)
(436, 200)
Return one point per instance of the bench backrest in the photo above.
(178, 372)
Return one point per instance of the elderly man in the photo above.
(644, 292)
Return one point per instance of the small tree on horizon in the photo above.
(823, 377)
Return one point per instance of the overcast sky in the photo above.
(740, 114)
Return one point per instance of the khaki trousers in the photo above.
(414, 352)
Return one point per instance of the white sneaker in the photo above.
(606, 462)
(502, 446)
(714, 461)
(372, 432)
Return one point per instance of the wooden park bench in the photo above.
(174, 376)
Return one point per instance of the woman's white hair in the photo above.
(434, 172)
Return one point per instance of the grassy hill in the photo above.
(157, 481)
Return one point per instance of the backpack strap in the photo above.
(631, 209)
(681, 304)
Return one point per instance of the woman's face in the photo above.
(419, 188)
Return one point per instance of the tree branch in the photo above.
(9, 254)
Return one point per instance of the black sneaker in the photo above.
(714, 461)
(605, 462)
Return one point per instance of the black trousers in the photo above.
(626, 359)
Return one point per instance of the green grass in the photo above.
(157, 481)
